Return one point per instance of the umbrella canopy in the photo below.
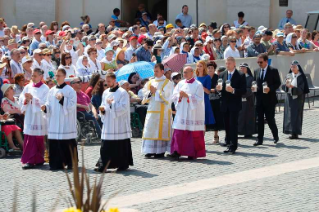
(144, 69)
(175, 62)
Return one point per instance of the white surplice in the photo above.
(190, 113)
(35, 122)
(61, 119)
(116, 119)
(158, 122)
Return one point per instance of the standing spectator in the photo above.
(184, 17)
(143, 53)
(48, 67)
(287, 19)
(256, 47)
(159, 19)
(231, 50)
(247, 117)
(141, 10)
(231, 103)
(204, 78)
(16, 67)
(214, 98)
(240, 20)
(145, 21)
(266, 98)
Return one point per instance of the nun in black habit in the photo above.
(296, 88)
(247, 117)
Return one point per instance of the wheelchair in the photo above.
(85, 130)
(136, 125)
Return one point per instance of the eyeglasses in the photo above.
(30, 61)
(92, 39)
(98, 43)
(105, 85)
(41, 54)
(57, 52)
(77, 82)
(226, 27)
(22, 52)
(68, 58)
(161, 23)
(42, 47)
(233, 41)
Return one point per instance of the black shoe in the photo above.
(159, 155)
(276, 140)
(293, 137)
(175, 155)
(149, 155)
(248, 136)
(224, 144)
(257, 143)
(227, 150)
(124, 168)
(28, 166)
(98, 170)
(39, 164)
(190, 158)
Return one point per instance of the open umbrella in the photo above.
(144, 69)
(175, 62)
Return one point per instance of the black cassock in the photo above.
(247, 117)
(293, 114)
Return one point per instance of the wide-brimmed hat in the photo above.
(5, 87)
(2, 65)
(26, 59)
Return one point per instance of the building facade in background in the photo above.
(258, 12)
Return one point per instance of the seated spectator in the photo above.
(93, 81)
(179, 24)
(281, 46)
(249, 38)
(10, 104)
(225, 43)
(288, 29)
(224, 28)
(217, 48)
(141, 10)
(209, 48)
(95, 64)
(56, 57)
(115, 17)
(50, 83)
(19, 82)
(291, 41)
(83, 67)
(135, 82)
(194, 36)
(97, 94)
(256, 48)
(84, 104)
(10, 130)
(126, 86)
(315, 38)
(140, 93)
(143, 53)
(67, 65)
(304, 42)
(120, 59)
(240, 21)
(157, 53)
(145, 21)
(108, 62)
(27, 62)
(231, 50)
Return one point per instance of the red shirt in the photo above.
(82, 99)
(209, 52)
(89, 91)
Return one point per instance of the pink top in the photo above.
(82, 99)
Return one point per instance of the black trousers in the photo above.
(60, 153)
(231, 128)
(269, 113)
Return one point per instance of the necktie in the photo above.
(229, 76)
(287, 20)
(262, 74)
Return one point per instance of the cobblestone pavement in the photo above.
(292, 191)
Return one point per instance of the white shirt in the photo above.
(100, 54)
(229, 52)
(61, 119)
(16, 68)
(129, 52)
(35, 122)
(236, 24)
(116, 119)
(70, 70)
(156, 23)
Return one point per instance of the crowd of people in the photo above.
(36, 63)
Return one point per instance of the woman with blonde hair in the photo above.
(120, 59)
(15, 34)
(202, 76)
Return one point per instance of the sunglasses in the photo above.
(68, 58)
(48, 55)
(42, 47)
(92, 39)
(105, 85)
(78, 82)
(160, 23)
(29, 61)
(22, 52)
(41, 54)
(57, 52)
(233, 41)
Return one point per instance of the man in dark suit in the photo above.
(266, 98)
(231, 102)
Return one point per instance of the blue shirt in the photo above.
(143, 54)
(186, 19)
(116, 18)
(283, 21)
(34, 45)
(281, 48)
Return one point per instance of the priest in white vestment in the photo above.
(116, 132)
(35, 124)
(158, 122)
(189, 123)
(60, 108)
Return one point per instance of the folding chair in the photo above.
(311, 88)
